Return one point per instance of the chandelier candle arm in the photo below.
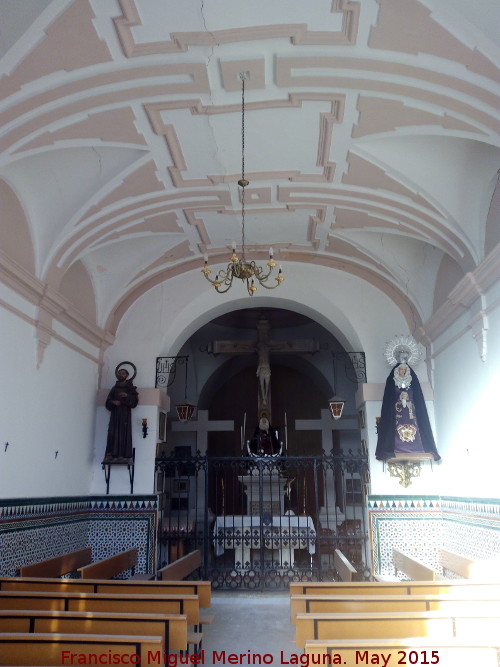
(238, 267)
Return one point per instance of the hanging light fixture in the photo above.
(185, 410)
(240, 267)
(336, 406)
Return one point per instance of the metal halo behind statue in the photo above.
(403, 343)
(125, 363)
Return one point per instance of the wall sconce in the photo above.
(144, 427)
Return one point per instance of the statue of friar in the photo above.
(120, 401)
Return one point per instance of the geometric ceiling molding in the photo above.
(102, 90)
(70, 41)
(254, 69)
(180, 42)
(363, 173)
(377, 115)
(165, 223)
(388, 212)
(177, 253)
(114, 125)
(342, 248)
(141, 182)
(154, 112)
(394, 31)
(389, 78)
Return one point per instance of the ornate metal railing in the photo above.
(261, 522)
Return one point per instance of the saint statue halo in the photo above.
(403, 348)
(126, 363)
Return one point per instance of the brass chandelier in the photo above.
(240, 267)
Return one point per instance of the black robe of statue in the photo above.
(119, 443)
(264, 443)
(387, 442)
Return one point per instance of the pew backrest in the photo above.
(457, 586)
(59, 565)
(423, 651)
(340, 604)
(456, 563)
(107, 568)
(344, 568)
(171, 627)
(51, 649)
(394, 625)
(182, 567)
(413, 568)
(200, 588)
(66, 601)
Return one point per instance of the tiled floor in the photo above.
(255, 626)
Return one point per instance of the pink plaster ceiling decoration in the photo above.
(372, 127)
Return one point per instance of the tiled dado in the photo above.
(36, 529)
(420, 525)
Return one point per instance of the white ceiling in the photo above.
(371, 133)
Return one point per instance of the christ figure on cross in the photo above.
(263, 346)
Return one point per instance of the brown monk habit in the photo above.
(121, 399)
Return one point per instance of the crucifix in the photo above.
(263, 346)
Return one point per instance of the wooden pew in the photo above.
(66, 601)
(49, 649)
(395, 625)
(413, 568)
(59, 565)
(339, 604)
(107, 568)
(456, 563)
(457, 586)
(181, 568)
(416, 650)
(172, 628)
(344, 568)
(200, 588)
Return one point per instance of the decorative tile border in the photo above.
(420, 525)
(36, 529)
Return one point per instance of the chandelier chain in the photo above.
(242, 168)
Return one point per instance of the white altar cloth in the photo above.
(281, 533)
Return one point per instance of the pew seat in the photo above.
(445, 652)
(172, 628)
(22, 648)
(394, 625)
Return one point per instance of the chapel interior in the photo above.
(366, 136)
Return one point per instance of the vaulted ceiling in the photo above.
(371, 140)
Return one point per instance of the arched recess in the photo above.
(15, 234)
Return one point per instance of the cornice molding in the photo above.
(468, 297)
(51, 305)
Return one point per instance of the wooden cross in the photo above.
(263, 347)
(201, 426)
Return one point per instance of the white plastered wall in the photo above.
(47, 413)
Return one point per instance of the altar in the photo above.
(280, 535)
